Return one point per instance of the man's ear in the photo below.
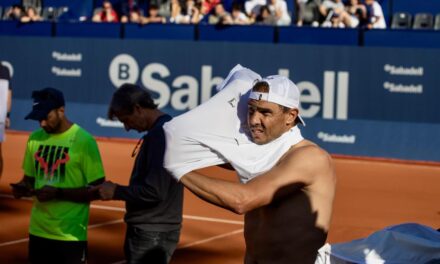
(137, 108)
(292, 114)
(61, 111)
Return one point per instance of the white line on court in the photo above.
(120, 209)
(14, 242)
(211, 239)
(106, 223)
(190, 217)
(89, 227)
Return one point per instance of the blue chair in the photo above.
(437, 22)
(423, 21)
(401, 20)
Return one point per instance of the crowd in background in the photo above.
(324, 13)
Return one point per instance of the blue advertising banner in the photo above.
(368, 101)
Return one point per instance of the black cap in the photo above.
(45, 100)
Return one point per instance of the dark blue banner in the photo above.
(368, 101)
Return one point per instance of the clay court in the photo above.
(371, 194)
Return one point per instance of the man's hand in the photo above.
(20, 189)
(46, 193)
(106, 190)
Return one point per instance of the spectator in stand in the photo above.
(375, 17)
(357, 13)
(331, 10)
(220, 16)
(238, 17)
(134, 16)
(253, 8)
(153, 15)
(177, 16)
(164, 7)
(32, 3)
(15, 13)
(208, 6)
(308, 12)
(278, 8)
(265, 17)
(31, 15)
(192, 12)
(350, 16)
(107, 14)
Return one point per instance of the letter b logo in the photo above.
(123, 69)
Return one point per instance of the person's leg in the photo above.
(1, 161)
(38, 250)
(2, 137)
(170, 243)
(72, 252)
(248, 259)
(49, 251)
(143, 246)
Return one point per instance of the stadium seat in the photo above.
(401, 20)
(437, 22)
(423, 21)
(49, 13)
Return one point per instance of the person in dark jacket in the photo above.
(153, 198)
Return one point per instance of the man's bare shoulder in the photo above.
(307, 159)
(307, 150)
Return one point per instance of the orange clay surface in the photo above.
(370, 195)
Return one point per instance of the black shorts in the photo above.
(49, 251)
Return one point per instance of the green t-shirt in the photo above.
(67, 160)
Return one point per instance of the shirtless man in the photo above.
(288, 208)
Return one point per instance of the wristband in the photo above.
(8, 115)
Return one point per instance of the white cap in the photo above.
(282, 91)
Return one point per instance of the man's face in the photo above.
(266, 121)
(133, 121)
(52, 123)
(107, 6)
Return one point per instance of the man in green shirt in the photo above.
(61, 162)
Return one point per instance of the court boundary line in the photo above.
(206, 240)
(18, 241)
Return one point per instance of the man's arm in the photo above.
(23, 188)
(300, 166)
(140, 194)
(84, 194)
